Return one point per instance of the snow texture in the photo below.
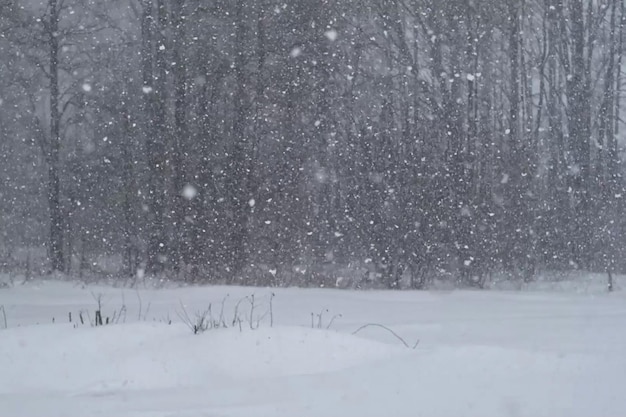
(494, 353)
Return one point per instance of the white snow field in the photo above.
(480, 353)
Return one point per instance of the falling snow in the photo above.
(331, 35)
(189, 192)
(395, 145)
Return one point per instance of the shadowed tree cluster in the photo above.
(249, 141)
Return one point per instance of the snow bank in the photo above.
(481, 353)
(153, 355)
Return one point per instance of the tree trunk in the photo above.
(579, 133)
(54, 183)
(130, 191)
(154, 131)
(239, 165)
(181, 203)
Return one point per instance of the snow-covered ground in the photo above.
(480, 353)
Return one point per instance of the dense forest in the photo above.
(289, 143)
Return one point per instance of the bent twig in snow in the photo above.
(332, 320)
(389, 330)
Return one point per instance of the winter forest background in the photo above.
(281, 143)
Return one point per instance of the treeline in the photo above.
(254, 141)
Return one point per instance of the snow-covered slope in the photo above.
(479, 353)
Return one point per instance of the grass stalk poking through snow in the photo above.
(320, 319)
(204, 320)
(4, 316)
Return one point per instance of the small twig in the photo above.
(203, 321)
(140, 304)
(206, 318)
(184, 317)
(389, 330)
(221, 319)
(236, 314)
(260, 318)
(319, 318)
(122, 311)
(271, 310)
(332, 320)
(147, 310)
(251, 299)
(98, 299)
